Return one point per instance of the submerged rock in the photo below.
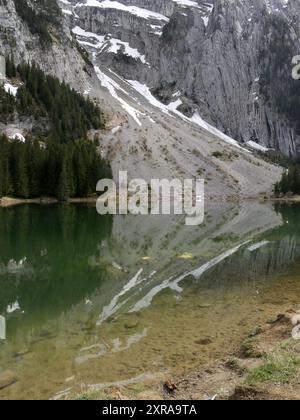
(130, 324)
(204, 341)
(204, 305)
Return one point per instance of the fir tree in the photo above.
(63, 192)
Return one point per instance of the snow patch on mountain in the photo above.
(105, 43)
(113, 89)
(9, 88)
(134, 10)
(172, 109)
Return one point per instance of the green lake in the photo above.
(88, 301)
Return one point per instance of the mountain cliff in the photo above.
(184, 84)
(231, 61)
(36, 31)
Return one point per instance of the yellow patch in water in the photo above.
(147, 259)
(185, 256)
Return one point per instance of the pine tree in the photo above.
(63, 192)
(18, 169)
(11, 70)
(34, 161)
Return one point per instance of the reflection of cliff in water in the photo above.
(273, 253)
(261, 264)
(230, 256)
(63, 256)
(107, 304)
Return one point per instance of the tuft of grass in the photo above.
(233, 365)
(257, 331)
(218, 155)
(247, 348)
(274, 370)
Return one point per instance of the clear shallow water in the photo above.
(90, 300)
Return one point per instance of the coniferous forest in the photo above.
(68, 114)
(290, 181)
(58, 160)
(31, 169)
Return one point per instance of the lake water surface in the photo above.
(88, 301)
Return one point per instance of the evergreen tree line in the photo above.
(62, 170)
(7, 106)
(290, 181)
(69, 115)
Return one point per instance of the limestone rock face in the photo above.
(2, 67)
(169, 74)
(230, 60)
(61, 58)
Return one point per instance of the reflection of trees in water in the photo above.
(291, 217)
(57, 242)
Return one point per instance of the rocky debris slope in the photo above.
(150, 141)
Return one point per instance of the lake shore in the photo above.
(293, 199)
(11, 201)
(266, 367)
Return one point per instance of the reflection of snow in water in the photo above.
(15, 267)
(257, 246)
(114, 306)
(13, 307)
(174, 285)
(117, 266)
(131, 340)
(116, 347)
(169, 283)
(146, 301)
(102, 349)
